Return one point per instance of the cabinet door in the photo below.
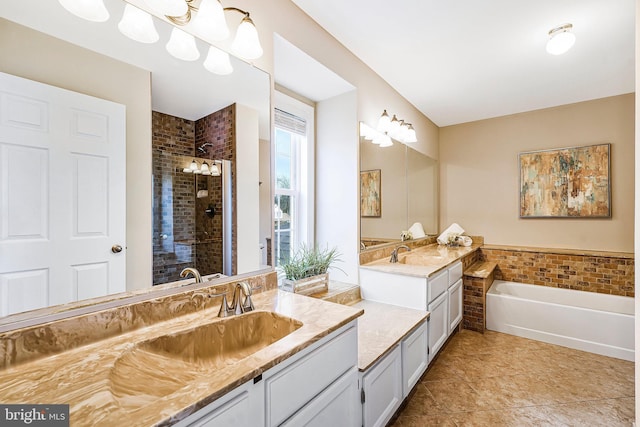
(243, 406)
(414, 357)
(455, 305)
(438, 324)
(338, 405)
(382, 385)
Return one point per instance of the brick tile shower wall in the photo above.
(218, 131)
(603, 274)
(173, 198)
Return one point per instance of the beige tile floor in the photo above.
(494, 379)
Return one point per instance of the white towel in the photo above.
(454, 228)
(416, 230)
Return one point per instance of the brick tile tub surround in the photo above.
(591, 271)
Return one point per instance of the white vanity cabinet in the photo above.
(438, 324)
(441, 294)
(414, 357)
(317, 386)
(381, 393)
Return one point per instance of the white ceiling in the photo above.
(464, 60)
(180, 88)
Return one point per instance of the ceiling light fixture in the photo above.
(561, 39)
(91, 10)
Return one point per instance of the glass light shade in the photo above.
(193, 166)
(411, 135)
(91, 10)
(386, 141)
(138, 25)
(394, 125)
(214, 170)
(384, 123)
(247, 44)
(169, 7)
(209, 23)
(378, 139)
(182, 45)
(218, 61)
(204, 169)
(560, 42)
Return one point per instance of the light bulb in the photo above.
(138, 25)
(218, 62)
(91, 10)
(247, 43)
(210, 23)
(182, 45)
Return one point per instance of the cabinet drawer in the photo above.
(437, 285)
(455, 273)
(291, 389)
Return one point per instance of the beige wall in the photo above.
(45, 59)
(480, 179)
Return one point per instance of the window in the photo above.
(293, 158)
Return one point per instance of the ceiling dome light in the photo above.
(182, 45)
(209, 23)
(218, 62)
(91, 10)
(138, 25)
(561, 39)
(247, 44)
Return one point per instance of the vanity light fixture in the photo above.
(138, 25)
(396, 128)
(204, 168)
(91, 10)
(561, 39)
(182, 45)
(218, 61)
(212, 26)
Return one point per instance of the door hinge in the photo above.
(361, 395)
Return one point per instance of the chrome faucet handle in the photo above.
(225, 309)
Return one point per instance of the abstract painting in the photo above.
(370, 200)
(566, 183)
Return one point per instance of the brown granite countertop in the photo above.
(424, 261)
(104, 387)
(381, 327)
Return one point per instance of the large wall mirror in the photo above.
(169, 97)
(407, 183)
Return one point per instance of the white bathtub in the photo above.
(598, 323)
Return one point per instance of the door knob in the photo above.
(116, 249)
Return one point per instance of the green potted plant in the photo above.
(306, 270)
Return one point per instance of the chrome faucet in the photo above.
(394, 254)
(193, 271)
(239, 304)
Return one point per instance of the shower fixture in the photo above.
(206, 144)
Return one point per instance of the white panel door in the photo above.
(62, 195)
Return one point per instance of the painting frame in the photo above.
(570, 182)
(371, 193)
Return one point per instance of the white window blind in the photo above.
(290, 122)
